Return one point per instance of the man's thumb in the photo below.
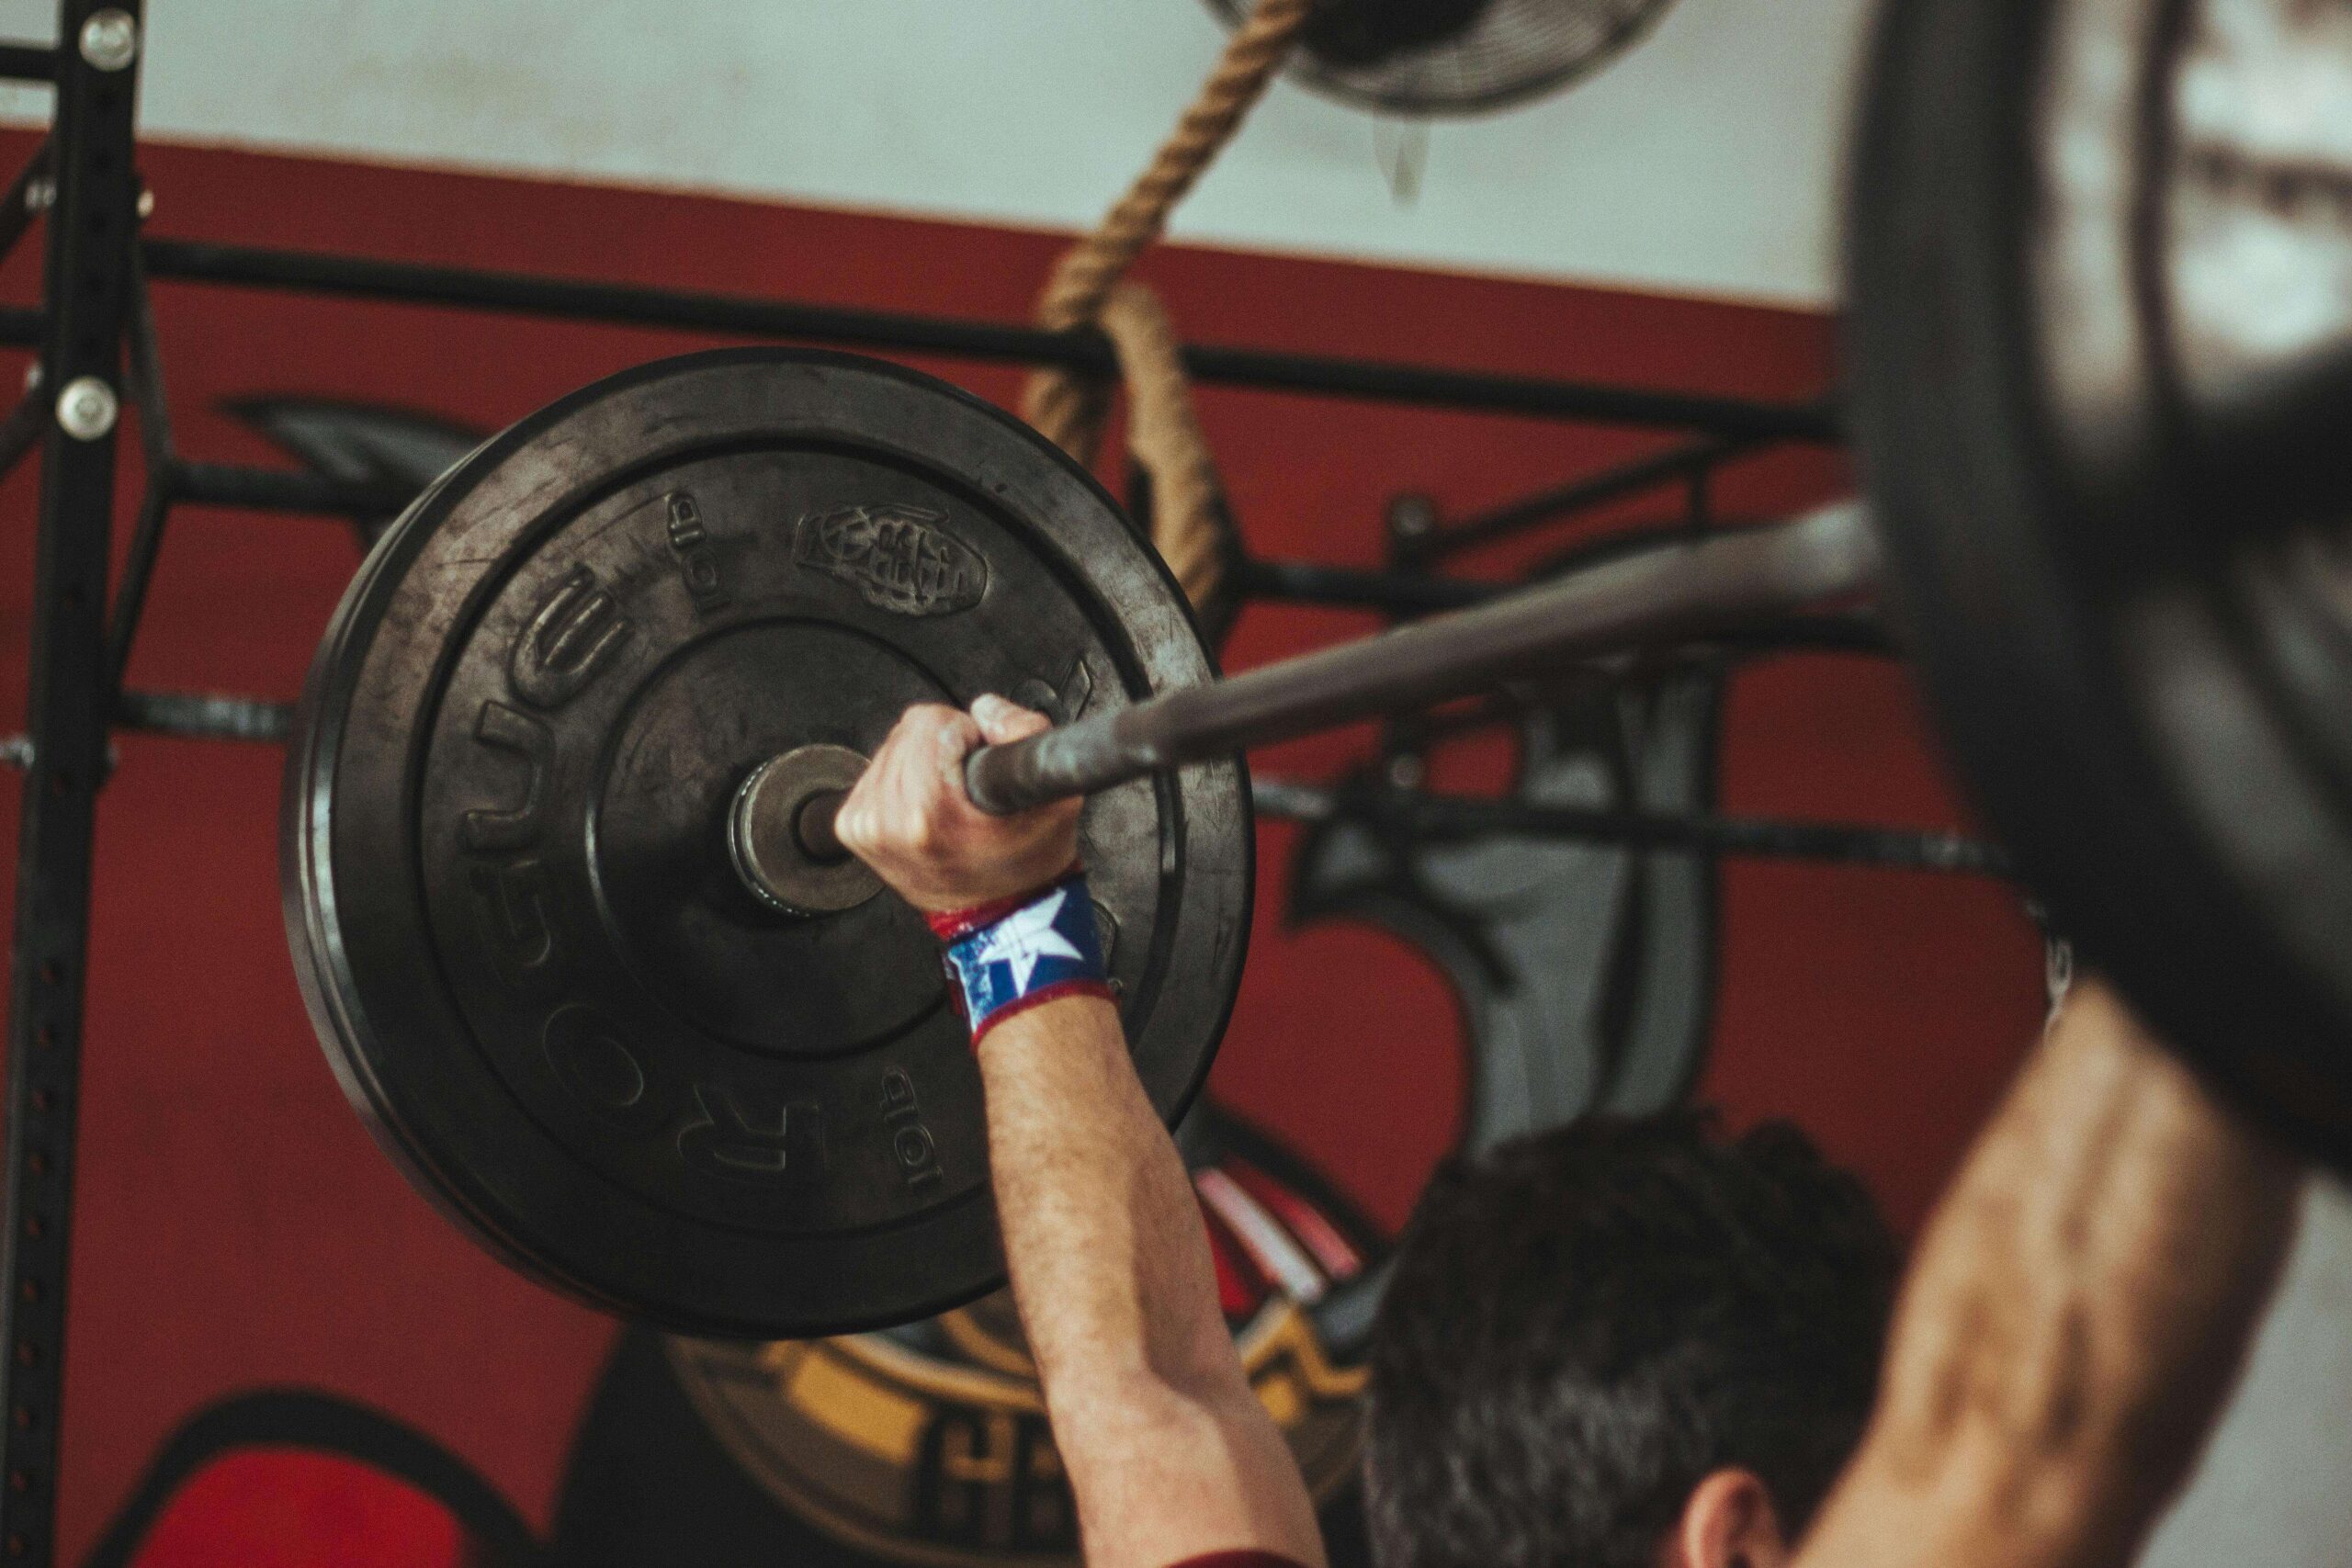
(1001, 721)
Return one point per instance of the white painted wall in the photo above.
(2276, 1488)
(1705, 161)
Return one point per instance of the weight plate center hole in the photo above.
(781, 836)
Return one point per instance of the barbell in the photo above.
(564, 897)
(561, 880)
(780, 825)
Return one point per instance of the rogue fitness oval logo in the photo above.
(898, 557)
(931, 1448)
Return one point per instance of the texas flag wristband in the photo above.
(1013, 955)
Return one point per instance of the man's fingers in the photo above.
(911, 800)
(858, 824)
(1001, 721)
(923, 736)
(862, 819)
(878, 808)
(951, 744)
(947, 805)
(854, 824)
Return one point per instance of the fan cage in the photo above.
(1503, 53)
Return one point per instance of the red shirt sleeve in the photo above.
(1247, 1557)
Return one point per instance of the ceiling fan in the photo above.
(1424, 57)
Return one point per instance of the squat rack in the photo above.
(93, 333)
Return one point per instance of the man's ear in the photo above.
(1727, 1522)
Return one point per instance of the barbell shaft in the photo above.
(1715, 584)
(1712, 586)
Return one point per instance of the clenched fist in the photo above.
(910, 818)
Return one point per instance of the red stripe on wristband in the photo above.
(1039, 998)
(951, 925)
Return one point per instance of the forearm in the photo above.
(2078, 1309)
(1101, 1227)
(1118, 1296)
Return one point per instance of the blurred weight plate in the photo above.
(2100, 281)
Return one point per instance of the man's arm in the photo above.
(2077, 1312)
(1168, 1451)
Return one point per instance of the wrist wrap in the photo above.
(1006, 956)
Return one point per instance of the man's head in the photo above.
(1623, 1344)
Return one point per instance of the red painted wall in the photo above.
(234, 1225)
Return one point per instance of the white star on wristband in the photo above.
(1025, 937)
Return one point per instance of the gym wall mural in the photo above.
(921, 1444)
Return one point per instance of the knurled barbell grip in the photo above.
(1717, 584)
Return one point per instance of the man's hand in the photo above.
(911, 819)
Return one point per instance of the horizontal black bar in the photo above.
(1533, 397)
(1411, 592)
(1404, 593)
(1452, 816)
(28, 62)
(1086, 350)
(205, 715)
(21, 326)
(1611, 484)
(284, 490)
(1853, 631)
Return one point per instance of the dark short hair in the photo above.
(1582, 1325)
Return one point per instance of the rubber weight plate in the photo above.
(2100, 333)
(508, 881)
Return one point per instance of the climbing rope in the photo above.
(1190, 525)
